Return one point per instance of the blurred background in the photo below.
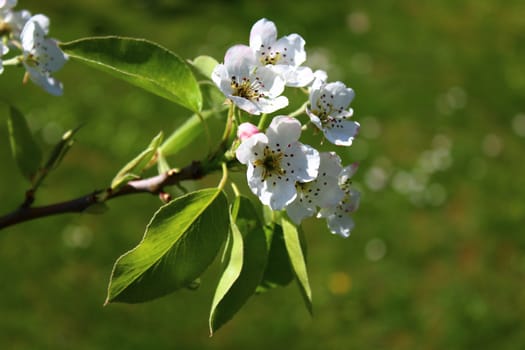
(436, 260)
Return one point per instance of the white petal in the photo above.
(284, 130)
(7, 4)
(247, 105)
(267, 105)
(49, 55)
(17, 20)
(320, 75)
(221, 78)
(48, 83)
(347, 172)
(239, 61)
(326, 183)
(342, 95)
(298, 76)
(249, 150)
(293, 47)
(281, 194)
(341, 226)
(314, 119)
(302, 161)
(272, 192)
(297, 211)
(263, 32)
(341, 133)
(315, 92)
(273, 84)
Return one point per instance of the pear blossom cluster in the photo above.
(283, 172)
(28, 35)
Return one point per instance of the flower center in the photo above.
(271, 163)
(325, 110)
(271, 57)
(247, 89)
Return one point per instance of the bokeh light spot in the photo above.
(340, 283)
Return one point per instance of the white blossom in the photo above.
(7, 4)
(276, 160)
(284, 55)
(13, 22)
(323, 192)
(41, 55)
(252, 88)
(338, 217)
(329, 111)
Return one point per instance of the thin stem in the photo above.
(15, 61)
(235, 190)
(263, 122)
(299, 111)
(229, 123)
(224, 176)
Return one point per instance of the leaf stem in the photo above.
(224, 176)
(299, 111)
(263, 122)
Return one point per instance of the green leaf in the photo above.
(205, 65)
(61, 148)
(279, 271)
(234, 252)
(292, 242)
(133, 169)
(26, 152)
(141, 63)
(162, 163)
(180, 242)
(190, 138)
(245, 267)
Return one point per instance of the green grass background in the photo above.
(436, 260)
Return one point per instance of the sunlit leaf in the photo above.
(180, 242)
(198, 133)
(141, 63)
(133, 169)
(26, 152)
(292, 242)
(205, 65)
(235, 289)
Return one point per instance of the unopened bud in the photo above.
(165, 197)
(246, 130)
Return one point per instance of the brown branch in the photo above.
(153, 185)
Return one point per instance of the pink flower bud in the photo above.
(246, 130)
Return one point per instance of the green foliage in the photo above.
(205, 127)
(181, 240)
(141, 63)
(205, 65)
(248, 255)
(25, 150)
(279, 271)
(61, 149)
(292, 241)
(142, 161)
